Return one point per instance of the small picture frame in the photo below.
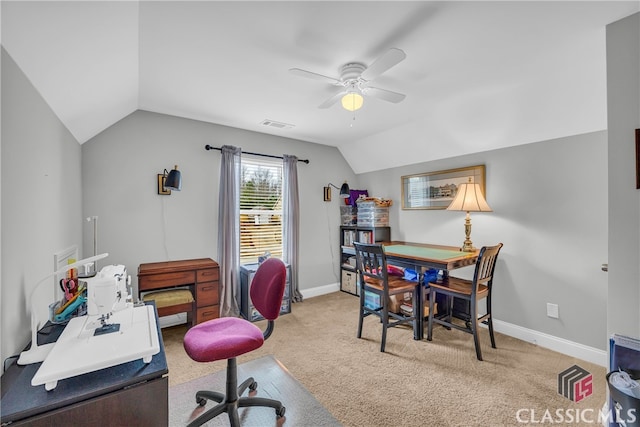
(162, 190)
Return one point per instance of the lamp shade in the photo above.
(344, 191)
(469, 198)
(174, 180)
(352, 101)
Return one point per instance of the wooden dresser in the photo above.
(201, 276)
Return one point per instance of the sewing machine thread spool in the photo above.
(88, 270)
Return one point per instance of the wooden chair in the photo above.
(371, 264)
(471, 291)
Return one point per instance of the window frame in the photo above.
(261, 229)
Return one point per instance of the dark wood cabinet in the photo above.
(143, 405)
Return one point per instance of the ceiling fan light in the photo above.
(352, 101)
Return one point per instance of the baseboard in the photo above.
(561, 345)
(320, 290)
(181, 318)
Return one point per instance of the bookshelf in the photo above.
(348, 235)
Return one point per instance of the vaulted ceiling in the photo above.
(477, 75)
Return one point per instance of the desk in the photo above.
(420, 255)
(200, 275)
(133, 393)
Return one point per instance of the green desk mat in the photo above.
(422, 252)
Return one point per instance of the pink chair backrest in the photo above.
(267, 288)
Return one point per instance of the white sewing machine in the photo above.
(107, 292)
(112, 332)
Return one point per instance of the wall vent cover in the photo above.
(277, 125)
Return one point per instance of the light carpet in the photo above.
(437, 383)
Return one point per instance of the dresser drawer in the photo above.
(165, 280)
(207, 313)
(207, 293)
(207, 275)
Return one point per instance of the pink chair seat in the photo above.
(223, 338)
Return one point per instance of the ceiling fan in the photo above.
(355, 79)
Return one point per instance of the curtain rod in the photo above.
(209, 147)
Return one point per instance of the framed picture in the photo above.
(436, 190)
(161, 188)
(638, 158)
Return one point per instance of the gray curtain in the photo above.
(229, 230)
(291, 221)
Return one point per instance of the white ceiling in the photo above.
(478, 75)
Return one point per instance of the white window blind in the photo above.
(260, 209)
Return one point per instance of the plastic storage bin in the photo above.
(371, 215)
(348, 215)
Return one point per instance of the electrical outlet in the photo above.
(552, 310)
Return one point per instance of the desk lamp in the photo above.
(469, 198)
(37, 353)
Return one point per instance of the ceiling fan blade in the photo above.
(329, 102)
(315, 76)
(390, 58)
(384, 94)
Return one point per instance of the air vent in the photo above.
(277, 125)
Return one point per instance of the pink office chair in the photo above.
(230, 337)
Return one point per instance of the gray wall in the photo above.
(137, 225)
(41, 201)
(549, 210)
(623, 99)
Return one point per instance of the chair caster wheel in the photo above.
(253, 386)
(201, 401)
(280, 412)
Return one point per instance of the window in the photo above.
(260, 209)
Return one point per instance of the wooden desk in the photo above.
(200, 275)
(420, 255)
(133, 393)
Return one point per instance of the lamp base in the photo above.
(467, 247)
